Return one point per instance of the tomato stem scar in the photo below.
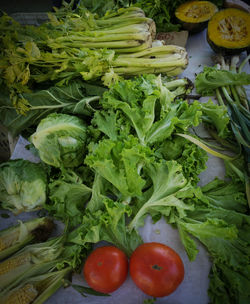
(156, 267)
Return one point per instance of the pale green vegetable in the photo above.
(60, 140)
(23, 185)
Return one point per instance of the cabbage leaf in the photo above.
(23, 185)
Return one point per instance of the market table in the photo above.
(194, 287)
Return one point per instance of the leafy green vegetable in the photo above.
(226, 81)
(23, 185)
(168, 188)
(140, 98)
(211, 78)
(226, 195)
(60, 140)
(120, 163)
(217, 117)
(76, 44)
(218, 222)
(189, 156)
(136, 161)
(102, 7)
(68, 196)
(77, 98)
(108, 225)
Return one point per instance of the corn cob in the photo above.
(23, 295)
(12, 264)
(32, 258)
(16, 237)
(36, 289)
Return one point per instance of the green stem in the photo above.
(205, 147)
(243, 96)
(53, 287)
(247, 182)
(243, 63)
(149, 63)
(219, 97)
(104, 38)
(235, 95)
(106, 44)
(165, 49)
(222, 141)
(227, 96)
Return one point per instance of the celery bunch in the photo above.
(127, 30)
(78, 44)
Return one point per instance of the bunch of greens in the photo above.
(78, 98)
(143, 167)
(78, 44)
(140, 161)
(124, 163)
(220, 222)
(227, 82)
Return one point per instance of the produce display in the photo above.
(113, 122)
(161, 11)
(72, 45)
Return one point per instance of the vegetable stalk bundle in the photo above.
(127, 30)
(78, 44)
(170, 59)
(227, 81)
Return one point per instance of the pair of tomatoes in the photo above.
(154, 267)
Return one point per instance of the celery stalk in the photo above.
(111, 44)
(150, 63)
(104, 38)
(156, 51)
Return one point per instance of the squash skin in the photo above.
(225, 51)
(195, 24)
(224, 46)
(194, 28)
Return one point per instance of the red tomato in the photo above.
(156, 269)
(105, 269)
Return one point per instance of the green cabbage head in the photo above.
(23, 185)
(60, 140)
